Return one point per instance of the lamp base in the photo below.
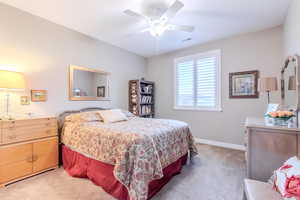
(6, 117)
(268, 97)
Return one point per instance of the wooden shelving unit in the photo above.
(141, 98)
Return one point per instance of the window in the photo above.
(197, 82)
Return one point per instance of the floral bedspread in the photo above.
(138, 148)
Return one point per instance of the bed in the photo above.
(131, 160)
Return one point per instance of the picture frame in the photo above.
(24, 100)
(38, 95)
(243, 84)
(101, 91)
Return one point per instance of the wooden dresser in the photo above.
(27, 147)
(268, 147)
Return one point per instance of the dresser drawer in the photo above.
(15, 153)
(29, 123)
(17, 131)
(45, 154)
(15, 162)
(14, 171)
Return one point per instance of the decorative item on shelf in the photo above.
(24, 100)
(38, 95)
(268, 84)
(281, 118)
(147, 89)
(101, 91)
(10, 81)
(243, 84)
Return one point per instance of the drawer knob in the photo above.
(35, 158)
(29, 159)
(11, 137)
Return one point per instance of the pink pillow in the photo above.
(287, 179)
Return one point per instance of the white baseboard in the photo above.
(221, 144)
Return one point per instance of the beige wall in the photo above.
(261, 51)
(292, 30)
(43, 51)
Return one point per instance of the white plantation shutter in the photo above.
(197, 82)
(185, 82)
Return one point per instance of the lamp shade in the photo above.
(11, 80)
(268, 84)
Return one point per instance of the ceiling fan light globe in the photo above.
(157, 30)
(153, 33)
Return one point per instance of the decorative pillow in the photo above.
(84, 117)
(287, 179)
(114, 115)
(128, 114)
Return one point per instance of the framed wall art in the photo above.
(243, 84)
(24, 100)
(38, 95)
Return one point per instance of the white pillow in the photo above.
(84, 117)
(114, 115)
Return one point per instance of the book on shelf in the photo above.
(146, 99)
(145, 110)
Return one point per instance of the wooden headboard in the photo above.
(62, 116)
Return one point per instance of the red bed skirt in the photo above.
(101, 174)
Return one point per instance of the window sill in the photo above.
(198, 109)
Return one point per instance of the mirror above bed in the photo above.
(86, 84)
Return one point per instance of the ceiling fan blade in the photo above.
(172, 11)
(135, 33)
(173, 27)
(144, 30)
(135, 14)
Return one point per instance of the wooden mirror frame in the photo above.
(87, 98)
(295, 60)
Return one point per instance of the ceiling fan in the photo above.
(159, 24)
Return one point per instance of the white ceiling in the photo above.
(105, 20)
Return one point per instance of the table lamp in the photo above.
(268, 84)
(10, 81)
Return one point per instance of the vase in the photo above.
(281, 121)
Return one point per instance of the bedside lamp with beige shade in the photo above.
(10, 81)
(268, 84)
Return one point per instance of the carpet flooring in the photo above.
(215, 174)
